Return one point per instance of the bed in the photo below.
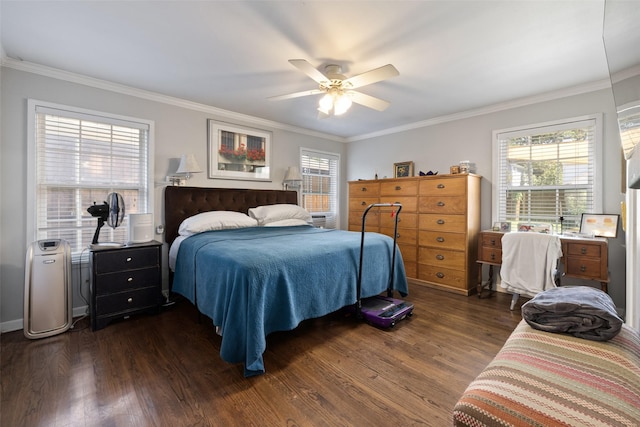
(253, 281)
(542, 378)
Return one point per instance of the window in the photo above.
(320, 186)
(76, 158)
(548, 173)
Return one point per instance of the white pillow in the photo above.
(271, 213)
(215, 220)
(287, 222)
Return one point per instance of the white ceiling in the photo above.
(453, 56)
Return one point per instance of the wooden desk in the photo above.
(582, 258)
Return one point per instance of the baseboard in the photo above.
(18, 324)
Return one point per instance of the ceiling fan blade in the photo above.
(368, 101)
(309, 70)
(295, 95)
(372, 76)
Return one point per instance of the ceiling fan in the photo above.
(338, 89)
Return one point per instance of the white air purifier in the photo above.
(140, 227)
(47, 289)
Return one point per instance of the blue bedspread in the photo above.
(258, 280)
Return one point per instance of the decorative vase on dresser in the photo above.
(438, 225)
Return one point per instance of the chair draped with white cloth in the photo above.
(529, 263)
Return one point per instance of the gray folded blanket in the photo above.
(581, 311)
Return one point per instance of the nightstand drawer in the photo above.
(126, 259)
(124, 302)
(489, 254)
(584, 267)
(126, 280)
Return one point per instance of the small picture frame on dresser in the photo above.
(402, 169)
(505, 226)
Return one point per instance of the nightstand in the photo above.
(125, 281)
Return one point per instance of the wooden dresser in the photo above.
(437, 228)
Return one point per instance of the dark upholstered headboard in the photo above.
(183, 202)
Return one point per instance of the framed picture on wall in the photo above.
(402, 169)
(238, 152)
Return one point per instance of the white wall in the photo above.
(178, 130)
(439, 146)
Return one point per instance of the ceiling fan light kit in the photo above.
(338, 90)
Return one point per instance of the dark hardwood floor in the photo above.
(165, 370)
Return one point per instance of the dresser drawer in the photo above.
(408, 220)
(364, 189)
(409, 204)
(407, 187)
(440, 239)
(408, 236)
(442, 205)
(445, 258)
(444, 276)
(124, 302)
(124, 259)
(126, 280)
(443, 187)
(355, 221)
(454, 223)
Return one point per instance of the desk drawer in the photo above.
(584, 267)
(489, 254)
(584, 249)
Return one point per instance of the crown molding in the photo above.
(520, 102)
(34, 68)
(58, 74)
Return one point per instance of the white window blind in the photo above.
(79, 158)
(320, 185)
(547, 173)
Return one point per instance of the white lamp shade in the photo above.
(188, 164)
(292, 174)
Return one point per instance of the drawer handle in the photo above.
(440, 185)
(440, 239)
(129, 259)
(398, 188)
(439, 275)
(363, 203)
(493, 242)
(583, 268)
(363, 189)
(440, 257)
(493, 256)
(583, 250)
(441, 204)
(398, 236)
(129, 300)
(440, 221)
(130, 279)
